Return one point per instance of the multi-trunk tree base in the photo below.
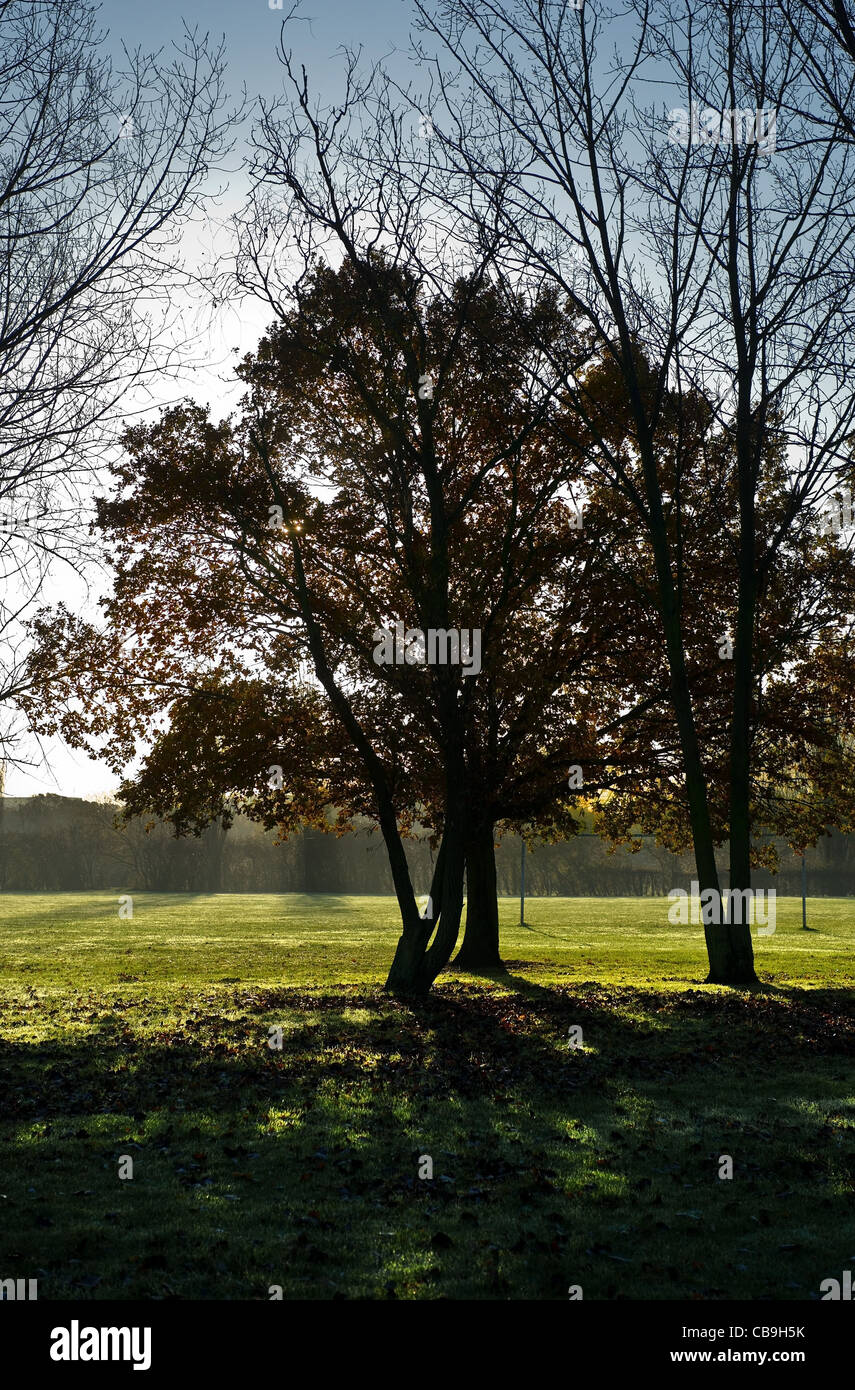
(731, 954)
(480, 948)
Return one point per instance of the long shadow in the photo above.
(538, 931)
(549, 1164)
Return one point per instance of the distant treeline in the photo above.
(56, 844)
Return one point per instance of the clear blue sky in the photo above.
(251, 31)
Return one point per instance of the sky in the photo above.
(251, 29)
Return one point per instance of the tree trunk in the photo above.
(681, 697)
(731, 958)
(413, 941)
(738, 954)
(416, 963)
(731, 954)
(409, 955)
(439, 952)
(480, 949)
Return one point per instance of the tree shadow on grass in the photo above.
(538, 931)
(551, 1165)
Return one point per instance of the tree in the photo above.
(825, 34)
(209, 605)
(738, 275)
(341, 183)
(97, 172)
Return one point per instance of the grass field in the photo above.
(553, 1166)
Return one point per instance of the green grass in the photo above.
(553, 1166)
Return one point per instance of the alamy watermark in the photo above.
(836, 515)
(837, 1290)
(743, 126)
(17, 1290)
(736, 905)
(13, 523)
(76, 1343)
(440, 646)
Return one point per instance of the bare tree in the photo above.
(711, 227)
(99, 169)
(825, 30)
